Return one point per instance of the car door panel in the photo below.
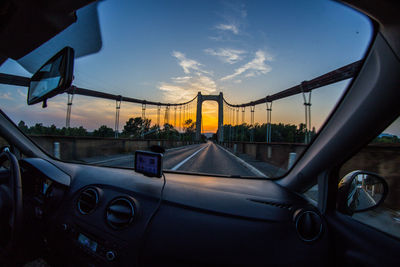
(357, 244)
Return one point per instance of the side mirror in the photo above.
(360, 191)
(53, 78)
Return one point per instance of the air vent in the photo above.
(308, 225)
(88, 200)
(120, 213)
(271, 203)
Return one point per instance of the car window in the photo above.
(380, 156)
(247, 84)
(312, 194)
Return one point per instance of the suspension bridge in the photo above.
(229, 114)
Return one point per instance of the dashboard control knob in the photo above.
(110, 255)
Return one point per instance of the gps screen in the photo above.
(148, 163)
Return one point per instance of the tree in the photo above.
(279, 132)
(74, 131)
(104, 131)
(135, 127)
(153, 132)
(169, 132)
(39, 129)
(189, 127)
(23, 127)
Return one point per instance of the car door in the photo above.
(357, 244)
(363, 239)
(370, 237)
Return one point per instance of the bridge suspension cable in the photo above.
(243, 116)
(166, 117)
(334, 76)
(117, 110)
(303, 88)
(180, 118)
(252, 109)
(143, 111)
(307, 108)
(69, 107)
(269, 117)
(158, 115)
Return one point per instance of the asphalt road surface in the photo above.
(365, 199)
(201, 158)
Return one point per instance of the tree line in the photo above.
(139, 128)
(135, 128)
(280, 132)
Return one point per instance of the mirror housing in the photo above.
(360, 191)
(53, 78)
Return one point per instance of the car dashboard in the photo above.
(97, 216)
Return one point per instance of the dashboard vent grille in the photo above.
(120, 213)
(88, 200)
(308, 225)
(272, 203)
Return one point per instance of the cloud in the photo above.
(227, 55)
(187, 89)
(203, 83)
(177, 93)
(216, 38)
(255, 67)
(183, 79)
(183, 88)
(187, 64)
(6, 96)
(233, 21)
(228, 27)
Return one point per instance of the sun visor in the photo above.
(84, 37)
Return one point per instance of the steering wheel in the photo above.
(11, 208)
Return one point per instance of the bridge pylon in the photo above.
(220, 100)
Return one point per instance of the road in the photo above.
(201, 158)
(365, 199)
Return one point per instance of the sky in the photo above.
(170, 50)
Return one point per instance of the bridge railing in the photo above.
(76, 148)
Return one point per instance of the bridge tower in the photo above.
(220, 100)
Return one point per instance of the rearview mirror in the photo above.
(360, 191)
(53, 78)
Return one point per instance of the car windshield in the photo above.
(236, 88)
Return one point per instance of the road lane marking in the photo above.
(245, 164)
(369, 196)
(185, 160)
(179, 147)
